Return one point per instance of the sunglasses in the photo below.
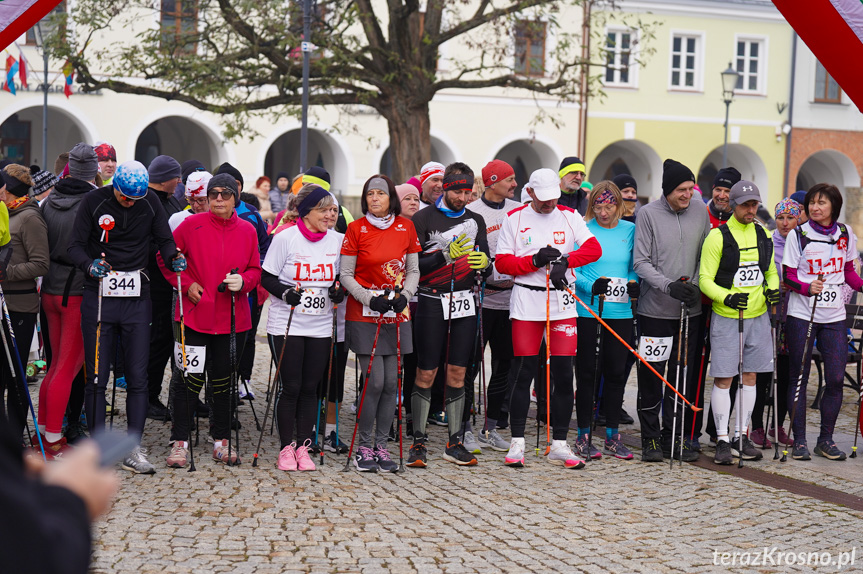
(224, 194)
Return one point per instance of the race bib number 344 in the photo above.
(122, 284)
(655, 349)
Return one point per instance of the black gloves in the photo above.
(336, 293)
(737, 301)
(380, 304)
(600, 286)
(545, 256)
(292, 297)
(633, 289)
(399, 303)
(686, 292)
(558, 274)
(772, 296)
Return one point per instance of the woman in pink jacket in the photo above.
(215, 243)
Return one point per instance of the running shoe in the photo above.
(458, 454)
(288, 457)
(625, 418)
(493, 440)
(615, 447)
(334, 444)
(120, 382)
(221, 453)
(246, 391)
(471, 444)
(783, 437)
(692, 444)
(723, 453)
(651, 451)
(582, 447)
(749, 450)
(800, 451)
(364, 460)
(561, 454)
(74, 432)
(304, 461)
(439, 419)
(137, 462)
(385, 463)
(53, 450)
(759, 439)
(179, 454)
(827, 449)
(418, 452)
(681, 450)
(515, 456)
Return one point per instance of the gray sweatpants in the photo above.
(379, 403)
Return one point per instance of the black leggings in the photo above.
(300, 375)
(336, 392)
(17, 403)
(218, 371)
(612, 367)
(561, 394)
(497, 333)
(762, 397)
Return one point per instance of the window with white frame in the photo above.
(685, 56)
(619, 57)
(751, 65)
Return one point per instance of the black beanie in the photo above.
(232, 171)
(625, 180)
(190, 166)
(673, 174)
(726, 177)
(228, 181)
(283, 174)
(457, 181)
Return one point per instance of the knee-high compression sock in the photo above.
(720, 401)
(454, 410)
(747, 404)
(420, 406)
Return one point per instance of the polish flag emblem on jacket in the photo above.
(559, 237)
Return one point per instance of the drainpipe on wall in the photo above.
(585, 69)
(790, 115)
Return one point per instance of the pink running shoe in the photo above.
(304, 461)
(561, 454)
(515, 456)
(221, 454)
(288, 457)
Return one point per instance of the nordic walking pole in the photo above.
(478, 346)
(399, 382)
(547, 358)
(633, 351)
(773, 320)
(22, 371)
(676, 385)
(482, 357)
(363, 396)
(233, 388)
(802, 367)
(271, 390)
(701, 367)
(183, 366)
(740, 391)
(448, 338)
(596, 378)
(329, 379)
(684, 382)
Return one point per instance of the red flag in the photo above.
(22, 69)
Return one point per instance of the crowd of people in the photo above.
(129, 269)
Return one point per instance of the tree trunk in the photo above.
(410, 142)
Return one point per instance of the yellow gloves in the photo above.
(458, 247)
(477, 260)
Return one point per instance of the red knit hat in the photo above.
(495, 171)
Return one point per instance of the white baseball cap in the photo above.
(545, 184)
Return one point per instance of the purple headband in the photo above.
(606, 197)
(788, 206)
(312, 200)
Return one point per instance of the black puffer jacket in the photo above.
(59, 210)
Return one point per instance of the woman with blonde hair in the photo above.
(613, 281)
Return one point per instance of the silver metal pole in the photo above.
(307, 47)
(44, 100)
(725, 145)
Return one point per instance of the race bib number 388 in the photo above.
(655, 349)
(314, 301)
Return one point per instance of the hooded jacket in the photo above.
(667, 247)
(59, 211)
(213, 247)
(161, 290)
(29, 257)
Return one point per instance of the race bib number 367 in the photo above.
(655, 349)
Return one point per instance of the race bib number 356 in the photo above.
(655, 349)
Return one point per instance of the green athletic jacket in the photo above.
(711, 253)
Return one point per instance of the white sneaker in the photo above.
(561, 454)
(245, 391)
(515, 456)
(471, 444)
(493, 440)
(137, 462)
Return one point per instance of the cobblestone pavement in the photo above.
(612, 516)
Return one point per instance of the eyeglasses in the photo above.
(198, 200)
(225, 194)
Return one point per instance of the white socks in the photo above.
(720, 402)
(53, 436)
(748, 403)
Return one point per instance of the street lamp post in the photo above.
(41, 42)
(729, 83)
(306, 48)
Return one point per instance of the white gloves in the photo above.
(234, 281)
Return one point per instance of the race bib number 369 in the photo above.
(655, 349)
